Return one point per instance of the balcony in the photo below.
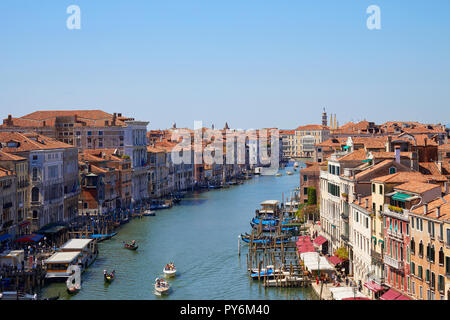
(395, 212)
(395, 234)
(394, 263)
(376, 257)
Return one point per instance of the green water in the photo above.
(200, 235)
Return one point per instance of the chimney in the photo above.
(425, 141)
(397, 154)
(119, 115)
(367, 203)
(113, 123)
(359, 198)
(425, 208)
(438, 211)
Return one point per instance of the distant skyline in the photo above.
(250, 63)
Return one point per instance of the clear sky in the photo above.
(253, 63)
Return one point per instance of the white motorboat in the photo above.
(170, 270)
(278, 175)
(289, 173)
(161, 287)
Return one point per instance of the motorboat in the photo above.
(162, 287)
(289, 173)
(170, 270)
(149, 213)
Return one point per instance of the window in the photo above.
(413, 246)
(392, 170)
(35, 194)
(419, 271)
(305, 178)
(448, 237)
(412, 222)
(373, 188)
(421, 249)
(381, 189)
(413, 268)
(441, 256)
(441, 283)
(447, 265)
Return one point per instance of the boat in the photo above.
(130, 246)
(170, 270)
(14, 295)
(102, 237)
(295, 164)
(289, 173)
(149, 213)
(109, 277)
(278, 175)
(161, 287)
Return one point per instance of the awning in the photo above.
(391, 294)
(357, 298)
(319, 241)
(30, 238)
(5, 236)
(373, 286)
(51, 229)
(335, 260)
(400, 196)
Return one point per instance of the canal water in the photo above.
(200, 235)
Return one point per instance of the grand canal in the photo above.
(200, 235)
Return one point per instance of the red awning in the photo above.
(320, 240)
(391, 294)
(335, 260)
(373, 286)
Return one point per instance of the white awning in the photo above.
(63, 257)
(76, 244)
(313, 261)
(340, 293)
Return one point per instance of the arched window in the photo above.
(441, 256)
(35, 194)
(420, 249)
(413, 246)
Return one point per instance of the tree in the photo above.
(312, 196)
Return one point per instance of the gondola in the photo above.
(130, 246)
(109, 277)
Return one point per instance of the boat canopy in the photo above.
(63, 257)
(76, 244)
(270, 203)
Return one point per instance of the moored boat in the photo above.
(149, 213)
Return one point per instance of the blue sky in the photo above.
(251, 63)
